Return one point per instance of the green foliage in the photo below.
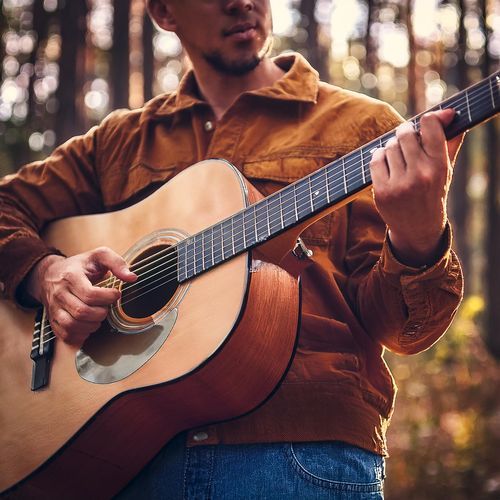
(445, 434)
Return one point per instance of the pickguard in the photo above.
(108, 356)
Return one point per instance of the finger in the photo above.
(395, 159)
(409, 143)
(69, 330)
(105, 259)
(432, 133)
(82, 288)
(379, 169)
(81, 311)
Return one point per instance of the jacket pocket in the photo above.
(138, 182)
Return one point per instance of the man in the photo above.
(322, 435)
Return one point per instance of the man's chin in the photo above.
(238, 67)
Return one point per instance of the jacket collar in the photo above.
(300, 83)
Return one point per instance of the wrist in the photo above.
(35, 278)
(422, 253)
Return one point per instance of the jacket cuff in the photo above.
(396, 270)
(20, 255)
(421, 289)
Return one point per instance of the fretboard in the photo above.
(318, 191)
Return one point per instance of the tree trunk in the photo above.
(148, 57)
(370, 45)
(316, 54)
(40, 27)
(73, 26)
(412, 67)
(492, 292)
(120, 55)
(459, 201)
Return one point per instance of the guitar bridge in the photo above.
(41, 351)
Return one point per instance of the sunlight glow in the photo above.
(394, 46)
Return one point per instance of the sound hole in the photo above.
(156, 268)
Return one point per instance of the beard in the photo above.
(237, 67)
(232, 68)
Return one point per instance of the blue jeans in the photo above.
(332, 470)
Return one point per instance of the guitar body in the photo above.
(90, 430)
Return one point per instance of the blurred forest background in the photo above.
(66, 63)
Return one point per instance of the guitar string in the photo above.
(267, 207)
(235, 236)
(460, 100)
(307, 198)
(150, 289)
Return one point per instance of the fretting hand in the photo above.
(411, 178)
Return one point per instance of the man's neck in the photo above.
(221, 90)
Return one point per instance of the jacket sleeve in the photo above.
(63, 185)
(403, 308)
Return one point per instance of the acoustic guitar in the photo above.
(188, 343)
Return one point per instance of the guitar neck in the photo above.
(315, 193)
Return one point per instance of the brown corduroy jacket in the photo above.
(357, 298)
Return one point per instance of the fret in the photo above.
(281, 210)
(362, 168)
(366, 163)
(193, 257)
(295, 202)
(187, 258)
(274, 209)
(239, 222)
(217, 244)
(187, 249)
(248, 228)
(468, 105)
(181, 261)
(239, 240)
(255, 223)
(232, 234)
(491, 92)
(303, 208)
(226, 239)
(310, 194)
(288, 201)
(266, 202)
(261, 223)
(327, 185)
(344, 174)
(198, 254)
(335, 181)
(212, 248)
(203, 250)
(354, 179)
(319, 189)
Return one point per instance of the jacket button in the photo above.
(209, 126)
(200, 436)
